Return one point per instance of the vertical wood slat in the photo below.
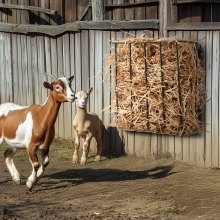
(186, 139)
(208, 137)
(60, 74)
(70, 11)
(200, 147)
(30, 96)
(73, 72)
(129, 12)
(215, 99)
(139, 11)
(92, 98)
(108, 14)
(24, 68)
(193, 139)
(67, 114)
(14, 67)
(118, 14)
(106, 92)
(54, 66)
(13, 15)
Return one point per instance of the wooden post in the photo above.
(167, 15)
(98, 10)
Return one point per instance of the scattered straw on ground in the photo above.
(158, 86)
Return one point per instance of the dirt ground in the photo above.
(116, 188)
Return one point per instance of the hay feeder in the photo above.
(158, 86)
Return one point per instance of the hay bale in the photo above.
(158, 86)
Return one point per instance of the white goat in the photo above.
(86, 125)
(32, 127)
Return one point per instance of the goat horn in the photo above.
(63, 74)
(51, 75)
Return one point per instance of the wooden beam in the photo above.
(28, 8)
(53, 30)
(120, 25)
(98, 10)
(195, 1)
(204, 26)
(128, 5)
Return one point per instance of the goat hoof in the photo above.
(82, 163)
(29, 185)
(75, 162)
(97, 158)
(18, 182)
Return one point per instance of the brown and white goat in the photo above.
(32, 127)
(86, 125)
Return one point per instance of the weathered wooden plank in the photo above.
(204, 26)
(41, 68)
(98, 10)
(139, 12)
(215, 99)
(2, 98)
(24, 69)
(152, 11)
(195, 1)
(73, 72)
(12, 16)
(193, 138)
(118, 13)
(21, 98)
(28, 8)
(106, 91)
(30, 90)
(127, 4)
(208, 137)
(9, 76)
(70, 11)
(34, 65)
(108, 14)
(129, 12)
(186, 139)
(201, 138)
(67, 114)
(54, 64)
(60, 74)
(56, 19)
(119, 25)
(76, 26)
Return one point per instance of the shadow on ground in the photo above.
(80, 176)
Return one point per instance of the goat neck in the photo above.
(50, 109)
(81, 112)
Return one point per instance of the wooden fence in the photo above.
(77, 10)
(24, 58)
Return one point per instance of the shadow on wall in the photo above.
(85, 175)
(113, 143)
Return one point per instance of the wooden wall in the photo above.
(24, 58)
(73, 10)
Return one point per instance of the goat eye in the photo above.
(58, 88)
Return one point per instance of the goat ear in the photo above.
(48, 85)
(90, 90)
(71, 78)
